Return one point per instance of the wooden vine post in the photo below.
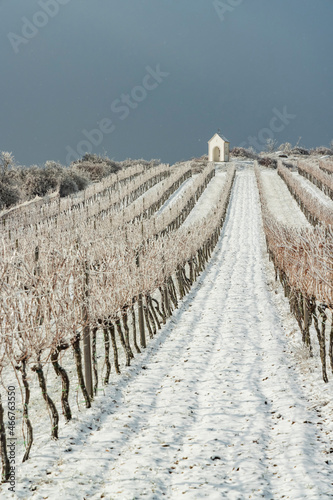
(86, 332)
(165, 288)
(140, 312)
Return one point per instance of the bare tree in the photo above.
(6, 161)
(271, 145)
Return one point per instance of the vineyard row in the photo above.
(317, 176)
(313, 208)
(303, 261)
(326, 165)
(73, 295)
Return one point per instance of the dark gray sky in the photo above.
(234, 64)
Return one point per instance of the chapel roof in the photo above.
(220, 135)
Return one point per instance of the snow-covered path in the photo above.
(279, 200)
(217, 410)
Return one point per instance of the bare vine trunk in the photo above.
(150, 331)
(164, 314)
(79, 369)
(107, 354)
(141, 322)
(157, 308)
(167, 301)
(321, 338)
(152, 309)
(3, 445)
(54, 413)
(114, 347)
(150, 315)
(127, 333)
(172, 292)
(134, 330)
(26, 419)
(180, 283)
(123, 343)
(191, 271)
(331, 343)
(60, 371)
(307, 313)
(94, 358)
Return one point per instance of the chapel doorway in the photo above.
(216, 154)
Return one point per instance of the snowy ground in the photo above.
(208, 199)
(177, 194)
(279, 200)
(217, 406)
(152, 192)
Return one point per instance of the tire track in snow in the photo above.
(218, 411)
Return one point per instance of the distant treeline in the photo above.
(284, 150)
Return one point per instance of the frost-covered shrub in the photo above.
(89, 159)
(198, 165)
(9, 195)
(80, 179)
(95, 167)
(71, 182)
(67, 186)
(92, 158)
(147, 163)
(19, 183)
(266, 161)
(39, 181)
(243, 152)
(300, 151)
(9, 191)
(98, 167)
(271, 145)
(94, 171)
(288, 165)
(322, 151)
(6, 161)
(286, 147)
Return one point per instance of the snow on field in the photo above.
(177, 194)
(280, 201)
(156, 189)
(208, 199)
(216, 407)
(314, 190)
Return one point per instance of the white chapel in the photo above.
(218, 148)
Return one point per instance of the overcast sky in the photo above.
(157, 78)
